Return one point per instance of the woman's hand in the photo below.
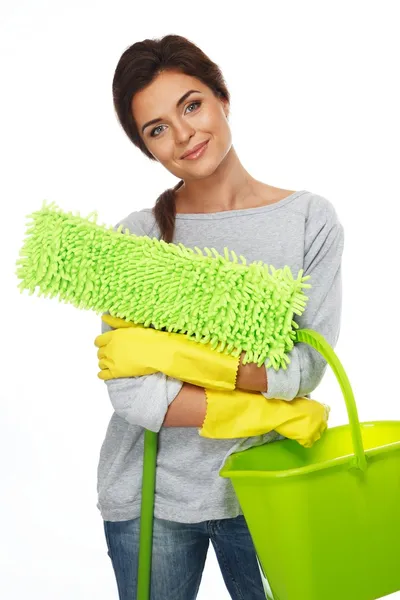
(119, 351)
(133, 350)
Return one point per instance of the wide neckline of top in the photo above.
(242, 211)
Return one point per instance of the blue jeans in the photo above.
(179, 555)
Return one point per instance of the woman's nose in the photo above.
(183, 133)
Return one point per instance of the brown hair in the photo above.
(138, 66)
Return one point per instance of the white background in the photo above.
(314, 106)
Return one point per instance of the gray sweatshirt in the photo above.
(302, 231)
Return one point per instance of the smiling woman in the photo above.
(173, 103)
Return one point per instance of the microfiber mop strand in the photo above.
(164, 285)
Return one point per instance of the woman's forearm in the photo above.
(189, 405)
(188, 409)
(251, 378)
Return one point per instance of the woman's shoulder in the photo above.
(321, 208)
(315, 207)
(321, 221)
(310, 204)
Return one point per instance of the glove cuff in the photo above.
(233, 414)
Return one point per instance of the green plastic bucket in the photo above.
(325, 521)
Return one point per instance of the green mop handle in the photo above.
(146, 515)
(317, 341)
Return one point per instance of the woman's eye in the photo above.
(155, 129)
(193, 103)
(158, 127)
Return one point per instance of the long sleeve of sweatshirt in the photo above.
(323, 249)
(141, 400)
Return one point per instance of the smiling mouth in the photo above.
(196, 152)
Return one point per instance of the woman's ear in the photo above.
(225, 105)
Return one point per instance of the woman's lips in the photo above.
(198, 153)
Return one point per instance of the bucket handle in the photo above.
(319, 343)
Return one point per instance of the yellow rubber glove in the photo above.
(239, 413)
(131, 350)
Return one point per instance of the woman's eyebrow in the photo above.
(177, 105)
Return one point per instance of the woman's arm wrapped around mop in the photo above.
(143, 351)
(133, 350)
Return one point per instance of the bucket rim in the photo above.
(324, 465)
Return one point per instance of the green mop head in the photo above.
(167, 286)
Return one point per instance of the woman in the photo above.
(170, 98)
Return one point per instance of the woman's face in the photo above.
(200, 117)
